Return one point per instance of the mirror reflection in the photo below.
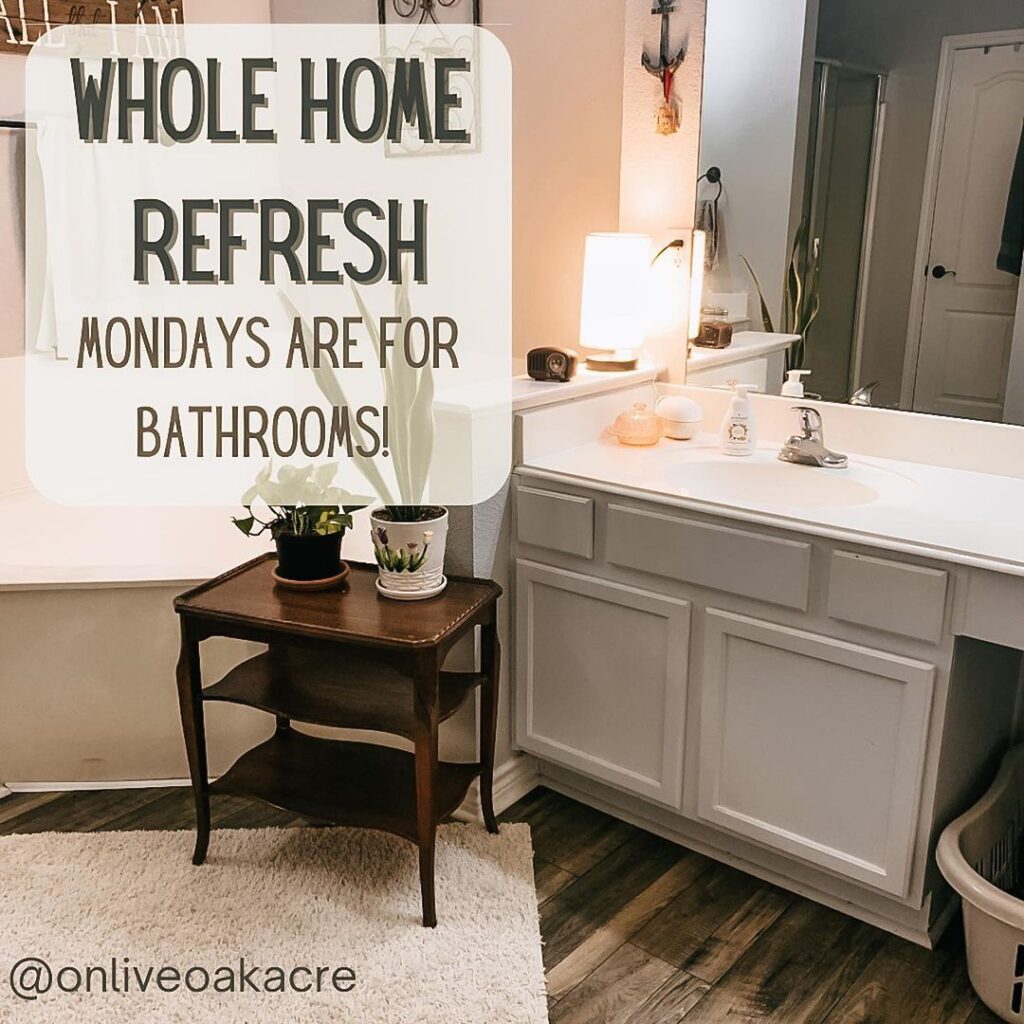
(869, 199)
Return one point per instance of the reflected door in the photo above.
(969, 304)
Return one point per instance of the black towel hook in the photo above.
(714, 176)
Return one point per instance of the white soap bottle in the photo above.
(739, 432)
(794, 385)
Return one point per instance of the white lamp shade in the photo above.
(615, 283)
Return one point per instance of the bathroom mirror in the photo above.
(885, 142)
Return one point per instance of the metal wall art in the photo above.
(422, 10)
(664, 68)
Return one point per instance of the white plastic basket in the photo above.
(980, 855)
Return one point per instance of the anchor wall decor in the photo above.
(664, 68)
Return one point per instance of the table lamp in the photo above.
(615, 284)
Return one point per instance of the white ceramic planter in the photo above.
(410, 556)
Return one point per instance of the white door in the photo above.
(601, 672)
(970, 304)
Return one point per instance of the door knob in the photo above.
(939, 272)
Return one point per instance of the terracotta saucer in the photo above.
(311, 585)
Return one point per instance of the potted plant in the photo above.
(409, 545)
(307, 536)
(409, 538)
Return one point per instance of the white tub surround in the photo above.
(806, 673)
(754, 357)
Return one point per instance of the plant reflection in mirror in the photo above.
(801, 298)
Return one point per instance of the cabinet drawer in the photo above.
(559, 522)
(814, 747)
(909, 600)
(736, 561)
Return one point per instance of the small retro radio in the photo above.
(556, 365)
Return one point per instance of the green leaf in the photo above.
(245, 525)
(766, 315)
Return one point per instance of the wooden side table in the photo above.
(350, 659)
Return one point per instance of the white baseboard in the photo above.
(512, 781)
(82, 787)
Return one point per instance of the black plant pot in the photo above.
(308, 558)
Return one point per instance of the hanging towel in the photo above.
(707, 221)
(1011, 252)
(12, 240)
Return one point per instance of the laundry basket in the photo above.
(980, 854)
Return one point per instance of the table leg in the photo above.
(426, 780)
(490, 663)
(190, 700)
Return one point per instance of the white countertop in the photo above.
(745, 345)
(952, 515)
(530, 394)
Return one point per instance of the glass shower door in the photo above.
(845, 130)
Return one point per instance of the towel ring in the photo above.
(713, 175)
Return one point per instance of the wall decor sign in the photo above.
(24, 22)
(422, 10)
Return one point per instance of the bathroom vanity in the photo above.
(805, 673)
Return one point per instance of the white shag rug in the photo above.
(279, 899)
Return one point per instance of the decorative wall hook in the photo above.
(664, 68)
(427, 9)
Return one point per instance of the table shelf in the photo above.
(348, 689)
(361, 785)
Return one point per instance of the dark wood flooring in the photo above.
(636, 929)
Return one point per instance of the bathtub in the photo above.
(88, 635)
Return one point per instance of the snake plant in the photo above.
(801, 298)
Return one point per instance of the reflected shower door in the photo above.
(845, 130)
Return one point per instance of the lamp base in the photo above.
(611, 362)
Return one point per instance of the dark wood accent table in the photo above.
(352, 659)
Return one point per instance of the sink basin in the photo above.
(745, 481)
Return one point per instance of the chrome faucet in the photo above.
(808, 447)
(865, 396)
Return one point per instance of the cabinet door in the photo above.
(601, 679)
(814, 747)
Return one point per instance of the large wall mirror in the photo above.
(883, 144)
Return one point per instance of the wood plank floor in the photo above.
(636, 929)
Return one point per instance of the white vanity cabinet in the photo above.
(777, 700)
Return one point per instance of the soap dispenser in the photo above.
(794, 385)
(739, 434)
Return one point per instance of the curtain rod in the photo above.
(4, 123)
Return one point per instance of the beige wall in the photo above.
(567, 103)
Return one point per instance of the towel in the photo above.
(1011, 252)
(12, 241)
(707, 221)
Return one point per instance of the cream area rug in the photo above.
(280, 926)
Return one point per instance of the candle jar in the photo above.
(715, 329)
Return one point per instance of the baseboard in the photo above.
(512, 781)
(82, 787)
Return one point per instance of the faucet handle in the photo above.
(810, 420)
